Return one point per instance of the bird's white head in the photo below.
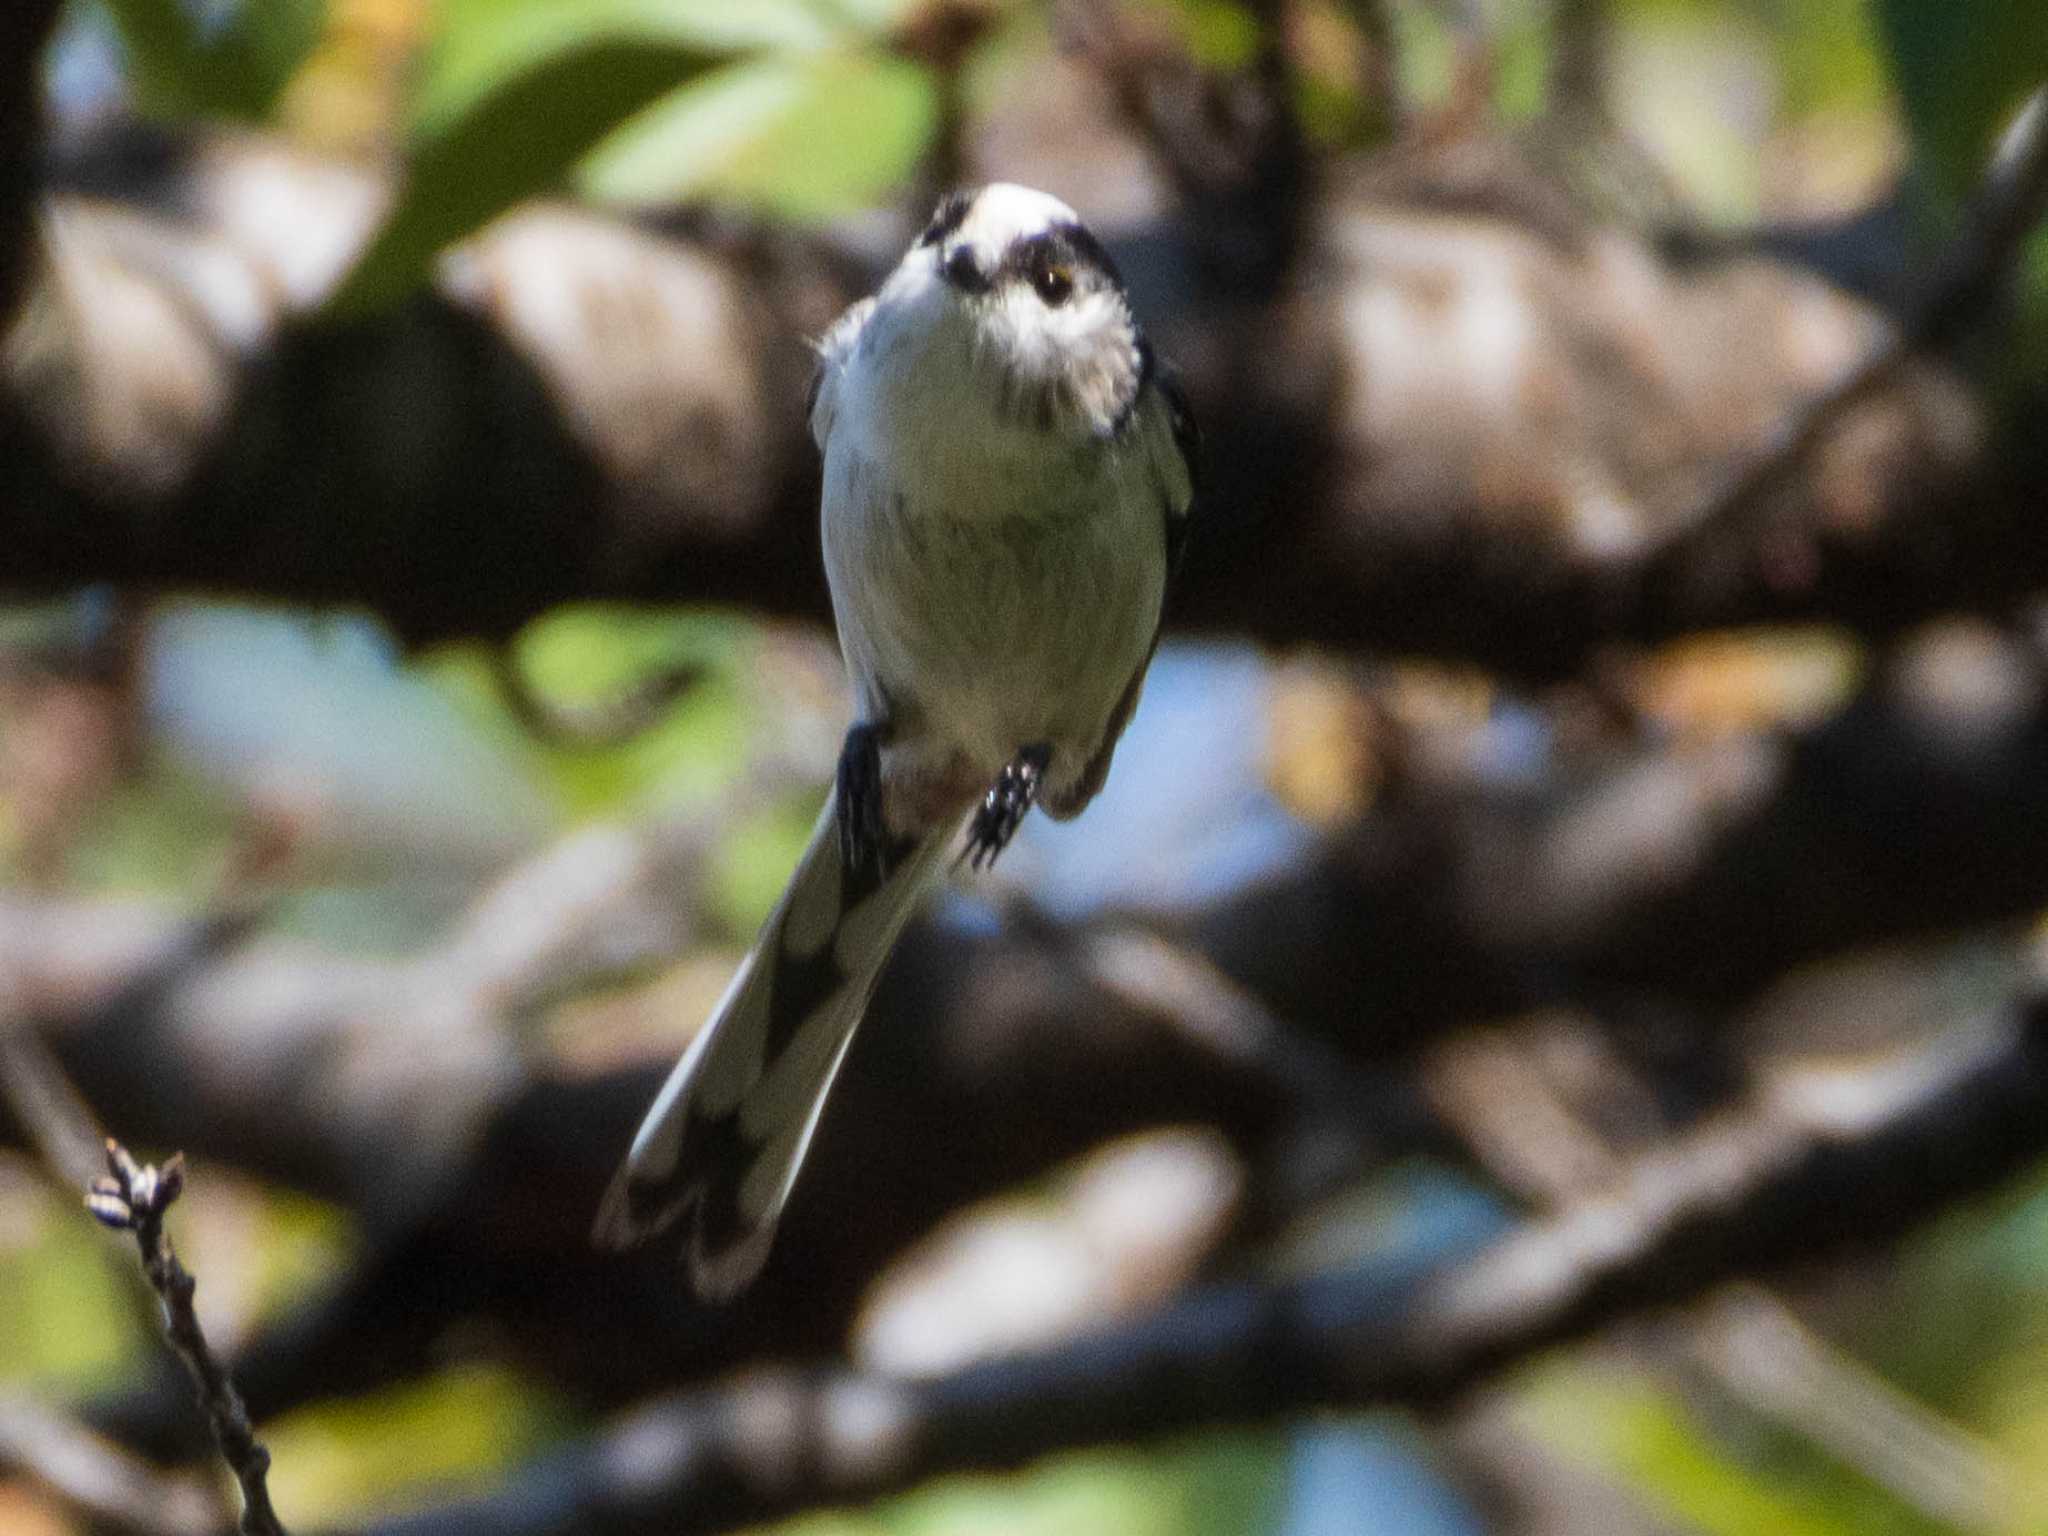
(1040, 303)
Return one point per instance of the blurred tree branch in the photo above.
(586, 407)
(1691, 873)
(1742, 1336)
(1963, 284)
(1461, 414)
(24, 28)
(119, 1493)
(1815, 1162)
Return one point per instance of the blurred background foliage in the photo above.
(408, 778)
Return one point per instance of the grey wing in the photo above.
(1179, 480)
(1187, 445)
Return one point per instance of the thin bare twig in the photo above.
(135, 1198)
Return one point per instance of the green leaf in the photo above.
(339, 1459)
(480, 45)
(67, 1319)
(1830, 58)
(585, 652)
(1963, 67)
(233, 66)
(1637, 1430)
(513, 92)
(512, 141)
(807, 136)
(1222, 34)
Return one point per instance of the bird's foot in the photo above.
(1003, 808)
(864, 839)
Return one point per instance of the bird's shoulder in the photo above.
(1187, 436)
(833, 350)
(1177, 450)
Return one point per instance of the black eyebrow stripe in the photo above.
(947, 217)
(1071, 245)
(1086, 250)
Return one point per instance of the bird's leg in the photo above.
(1014, 792)
(863, 831)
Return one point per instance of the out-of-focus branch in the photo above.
(42, 1100)
(1693, 874)
(1815, 1163)
(1449, 426)
(1760, 1351)
(1967, 277)
(1742, 1337)
(1690, 871)
(1230, 142)
(118, 1492)
(135, 1198)
(1583, 42)
(24, 28)
(366, 1079)
(991, 1061)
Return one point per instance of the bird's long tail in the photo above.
(721, 1146)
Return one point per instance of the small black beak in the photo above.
(963, 271)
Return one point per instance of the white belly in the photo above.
(996, 629)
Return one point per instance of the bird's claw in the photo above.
(863, 833)
(1003, 808)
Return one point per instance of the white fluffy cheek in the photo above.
(1040, 340)
(1017, 326)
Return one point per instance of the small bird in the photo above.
(1008, 473)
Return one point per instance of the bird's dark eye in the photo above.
(1055, 284)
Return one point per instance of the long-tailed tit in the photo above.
(1008, 473)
